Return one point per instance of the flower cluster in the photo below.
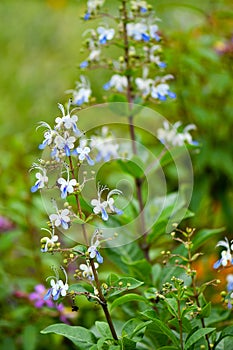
(143, 54)
(67, 150)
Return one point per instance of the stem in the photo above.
(180, 325)
(129, 95)
(103, 301)
(195, 292)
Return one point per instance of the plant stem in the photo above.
(195, 292)
(103, 301)
(180, 325)
(129, 95)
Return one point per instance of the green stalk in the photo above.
(129, 95)
(103, 301)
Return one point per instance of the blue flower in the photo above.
(84, 64)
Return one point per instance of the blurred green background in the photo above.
(40, 51)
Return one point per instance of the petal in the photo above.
(104, 214)
(217, 264)
(99, 258)
(34, 188)
(48, 294)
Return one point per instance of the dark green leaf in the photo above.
(103, 329)
(203, 235)
(200, 333)
(78, 335)
(127, 298)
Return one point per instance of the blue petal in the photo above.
(80, 101)
(43, 145)
(84, 64)
(107, 86)
(64, 224)
(76, 130)
(143, 10)
(48, 294)
(104, 214)
(35, 187)
(195, 143)
(56, 296)
(161, 98)
(171, 94)
(67, 150)
(156, 37)
(54, 152)
(145, 37)
(217, 264)
(118, 211)
(87, 16)
(103, 40)
(64, 193)
(162, 65)
(99, 258)
(89, 160)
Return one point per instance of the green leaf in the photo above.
(168, 348)
(227, 332)
(172, 306)
(203, 235)
(127, 298)
(135, 328)
(205, 311)
(123, 284)
(140, 269)
(132, 167)
(128, 344)
(80, 248)
(197, 336)
(103, 329)
(78, 335)
(80, 288)
(160, 327)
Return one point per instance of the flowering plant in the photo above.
(135, 217)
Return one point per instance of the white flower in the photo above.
(82, 92)
(138, 31)
(144, 86)
(118, 82)
(67, 121)
(66, 186)
(48, 242)
(139, 5)
(62, 218)
(92, 5)
(87, 270)
(170, 136)
(111, 201)
(58, 287)
(48, 135)
(65, 143)
(226, 256)
(105, 34)
(106, 145)
(92, 250)
(83, 152)
(101, 206)
(153, 30)
(42, 178)
(161, 91)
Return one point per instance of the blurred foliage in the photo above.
(40, 43)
